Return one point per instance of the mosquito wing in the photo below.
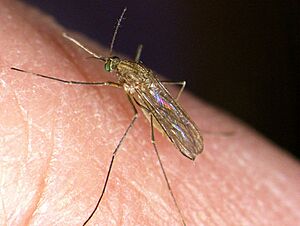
(173, 120)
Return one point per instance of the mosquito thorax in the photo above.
(111, 63)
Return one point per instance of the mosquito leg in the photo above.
(138, 53)
(113, 158)
(163, 170)
(181, 83)
(113, 84)
(141, 106)
(76, 42)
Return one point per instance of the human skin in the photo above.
(56, 142)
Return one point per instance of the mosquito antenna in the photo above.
(116, 31)
(76, 42)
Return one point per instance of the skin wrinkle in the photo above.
(217, 212)
(42, 183)
(214, 216)
(147, 194)
(200, 199)
(147, 197)
(127, 185)
(24, 115)
(120, 218)
(2, 201)
(234, 193)
(116, 215)
(278, 204)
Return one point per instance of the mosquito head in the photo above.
(111, 63)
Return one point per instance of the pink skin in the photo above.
(56, 142)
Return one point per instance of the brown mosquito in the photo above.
(144, 90)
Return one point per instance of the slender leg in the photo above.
(94, 55)
(182, 84)
(114, 84)
(141, 106)
(138, 53)
(82, 46)
(112, 159)
(164, 172)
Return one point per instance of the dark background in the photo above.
(239, 55)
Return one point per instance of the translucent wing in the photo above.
(172, 119)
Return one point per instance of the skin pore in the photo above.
(56, 142)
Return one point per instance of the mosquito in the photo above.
(144, 90)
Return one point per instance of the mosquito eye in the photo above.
(108, 66)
